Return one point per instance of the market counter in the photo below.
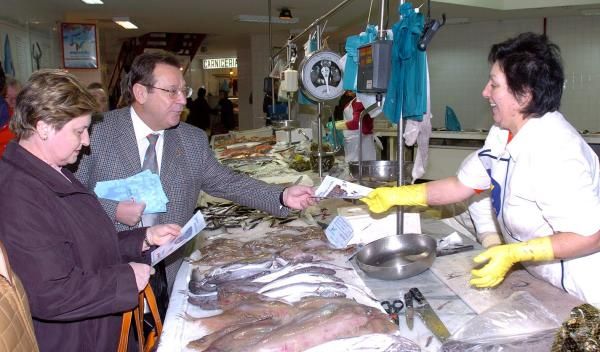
(445, 286)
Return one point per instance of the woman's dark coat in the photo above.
(66, 251)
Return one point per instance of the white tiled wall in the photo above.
(459, 68)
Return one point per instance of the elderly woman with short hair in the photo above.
(79, 273)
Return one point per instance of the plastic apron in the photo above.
(351, 140)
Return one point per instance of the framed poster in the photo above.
(79, 45)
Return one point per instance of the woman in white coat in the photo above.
(544, 178)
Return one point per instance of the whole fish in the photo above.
(203, 343)
(297, 291)
(296, 269)
(299, 278)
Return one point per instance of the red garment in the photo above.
(6, 136)
(367, 125)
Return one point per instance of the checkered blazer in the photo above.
(188, 166)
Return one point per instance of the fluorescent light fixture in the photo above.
(124, 22)
(93, 2)
(265, 19)
(591, 12)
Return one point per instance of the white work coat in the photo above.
(545, 180)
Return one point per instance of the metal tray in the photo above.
(397, 257)
(380, 170)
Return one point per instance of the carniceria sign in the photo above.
(226, 62)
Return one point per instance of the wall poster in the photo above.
(79, 45)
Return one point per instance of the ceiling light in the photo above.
(124, 22)
(93, 2)
(265, 19)
(591, 12)
(285, 14)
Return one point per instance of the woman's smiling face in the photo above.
(506, 108)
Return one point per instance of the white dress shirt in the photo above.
(141, 133)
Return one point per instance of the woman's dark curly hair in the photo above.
(531, 64)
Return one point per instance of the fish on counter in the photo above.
(281, 284)
(238, 216)
(310, 322)
(290, 243)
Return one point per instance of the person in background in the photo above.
(338, 110)
(4, 115)
(13, 87)
(200, 111)
(156, 94)
(5, 134)
(543, 177)
(268, 108)
(349, 127)
(98, 91)
(225, 107)
(78, 272)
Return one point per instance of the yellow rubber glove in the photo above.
(502, 258)
(341, 125)
(383, 198)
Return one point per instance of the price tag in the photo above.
(339, 232)
(188, 231)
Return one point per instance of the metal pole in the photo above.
(319, 116)
(400, 209)
(289, 99)
(360, 141)
(360, 135)
(272, 64)
(381, 29)
(400, 148)
(315, 23)
(320, 139)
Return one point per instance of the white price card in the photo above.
(339, 232)
(332, 187)
(188, 231)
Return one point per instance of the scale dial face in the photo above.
(321, 76)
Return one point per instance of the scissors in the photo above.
(393, 308)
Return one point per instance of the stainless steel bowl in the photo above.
(285, 125)
(380, 170)
(397, 257)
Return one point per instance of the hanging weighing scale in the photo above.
(321, 76)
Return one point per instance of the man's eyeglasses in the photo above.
(185, 91)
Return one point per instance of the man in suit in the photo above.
(156, 94)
